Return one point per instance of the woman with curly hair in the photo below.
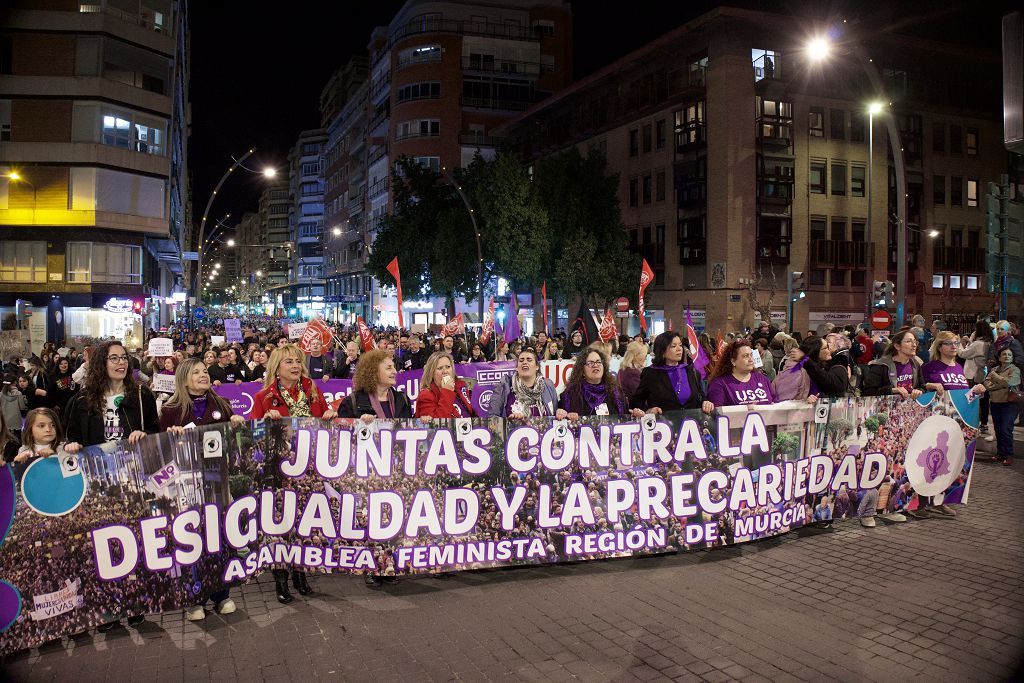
(592, 389)
(734, 381)
(373, 390)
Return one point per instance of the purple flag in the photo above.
(512, 321)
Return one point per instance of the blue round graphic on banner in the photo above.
(53, 486)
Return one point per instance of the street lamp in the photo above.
(476, 231)
(874, 107)
(16, 177)
(818, 50)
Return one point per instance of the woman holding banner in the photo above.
(442, 394)
(805, 374)
(373, 390)
(592, 389)
(670, 383)
(897, 370)
(194, 403)
(735, 382)
(526, 393)
(288, 391)
(111, 406)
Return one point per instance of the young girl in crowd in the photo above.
(42, 438)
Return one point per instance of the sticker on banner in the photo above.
(213, 445)
(463, 426)
(601, 409)
(649, 422)
(821, 413)
(69, 465)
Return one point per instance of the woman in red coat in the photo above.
(442, 394)
(289, 392)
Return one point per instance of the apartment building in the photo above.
(441, 76)
(741, 159)
(94, 202)
(305, 290)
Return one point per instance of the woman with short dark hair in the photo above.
(670, 382)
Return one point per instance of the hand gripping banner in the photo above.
(118, 531)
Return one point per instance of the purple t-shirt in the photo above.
(949, 376)
(905, 375)
(729, 391)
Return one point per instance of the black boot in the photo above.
(300, 582)
(281, 580)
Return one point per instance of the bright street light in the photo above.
(269, 172)
(818, 49)
(231, 243)
(875, 107)
(217, 264)
(336, 231)
(259, 273)
(933, 233)
(14, 175)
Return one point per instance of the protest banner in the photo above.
(122, 530)
(163, 383)
(217, 340)
(159, 347)
(296, 330)
(233, 330)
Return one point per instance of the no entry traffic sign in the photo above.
(880, 320)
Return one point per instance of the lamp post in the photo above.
(873, 108)
(479, 248)
(818, 50)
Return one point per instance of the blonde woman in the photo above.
(442, 394)
(629, 369)
(288, 390)
(194, 401)
(944, 371)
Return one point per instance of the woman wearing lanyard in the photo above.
(445, 395)
(592, 389)
(373, 390)
(289, 392)
(734, 382)
(194, 403)
(525, 394)
(670, 383)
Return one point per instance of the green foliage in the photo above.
(872, 424)
(838, 429)
(882, 418)
(786, 444)
(240, 485)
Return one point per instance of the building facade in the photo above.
(94, 202)
(306, 223)
(741, 161)
(440, 77)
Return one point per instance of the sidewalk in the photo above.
(938, 599)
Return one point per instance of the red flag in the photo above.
(488, 327)
(544, 300)
(670, 324)
(365, 335)
(316, 329)
(646, 277)
(607, 330)
(456, 325)
(393, 269)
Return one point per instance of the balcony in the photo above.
(378, 188)
(477, 140)
(466, 28)
(416, 134)
(967, 259)
(378, 155)
(380, 87)
(823, 253)
(775, 192)
(494, 103)
(493, 65)
(691, 194)
(855, 255)
(691, 136)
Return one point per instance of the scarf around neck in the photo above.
(679, 380)
(529, 396)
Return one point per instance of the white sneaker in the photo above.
(990, 438)
(226, 606)
(195, 613)
(868, 522)
(893, 517)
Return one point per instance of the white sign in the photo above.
(160, 347)
(296, 330)
(837, 317)
(163, 383)
(37, 332)
(217, 340)
(115, 305)
(179, 297)
(58, 602)
(777, 316)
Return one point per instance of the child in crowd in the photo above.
(42, 437)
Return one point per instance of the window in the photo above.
(698, 70)
(647, 138)
(858, 230)
(839, 229)
(837, 124)
(817, 277)
(659, 134)
(972, 192)
(956, 140)
(429, 163)
(857, 179)
(659, 187)
(954, 282)
(818, 229)
(817, 177)
(858, 278)
(647, 189)
(856, 126)
(93, 262)
(972, 142)
(938, 281)
(5, 120)
(277, 223)
(939, 190)
(310, 230)
(764, 63)
(816, 122)
(938, 137)
(310, 168)
(310, 188)
(972, 281)
(544, 27)
(148, 139)
(634, 142)
(117, 131)
(837, 278)
(418, 128)
(419, 91)
(634, 191)
(956, 191)
(22, 261)
(689, 124)
(418, 55)
(310, 148)
(839, 178)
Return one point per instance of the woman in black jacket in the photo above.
(592, 390)
(62, 386)
(112, 406)
(814, 357)
(670, 382)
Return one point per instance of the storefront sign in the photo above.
(115, 305)
(840, 318)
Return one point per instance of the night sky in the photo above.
(258, 68)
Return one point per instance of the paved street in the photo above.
(931, 600)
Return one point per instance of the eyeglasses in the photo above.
(117, 359)
(950, 343)
(594, 364)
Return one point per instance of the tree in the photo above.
(589, 247)
(838, 429)
(785, 445)
(761, 292)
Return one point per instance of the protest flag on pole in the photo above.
(512, 331)
(488, 327)
(646, 276)
(700, 359)
(395, 273)
(365, 335)
(544, 303)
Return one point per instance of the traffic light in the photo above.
(882, 292)
(138, 305)
(797, 284)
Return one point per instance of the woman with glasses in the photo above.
(897, 370)
(526, 393)
(592, 389)
(110, 407)
(944, 371)
(670, 383)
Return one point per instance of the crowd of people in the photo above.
(108, 393)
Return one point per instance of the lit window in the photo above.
(116, 131)
(972, 192)
(972, 282)
(954, 282)
(938, 281)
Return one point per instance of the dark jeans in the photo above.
(983, 410)
(218, 597)
(1003, 415)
